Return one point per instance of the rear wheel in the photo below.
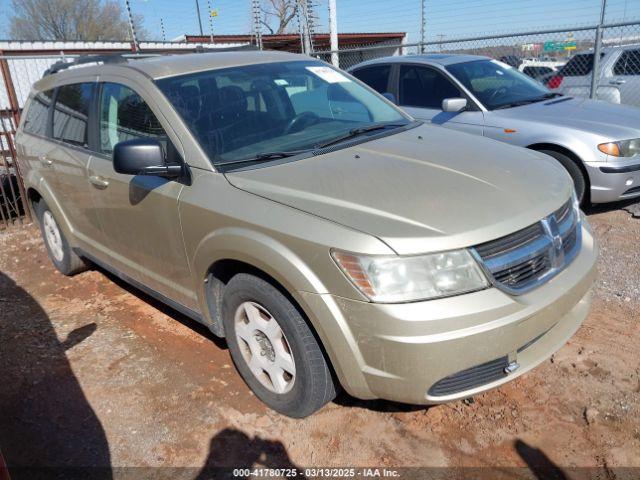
(63, 258)
(579, 180)
(274, 349)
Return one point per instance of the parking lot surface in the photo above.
(96, 373)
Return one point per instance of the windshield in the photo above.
(498, 85)
(276, 109)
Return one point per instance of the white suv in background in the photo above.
(618, 79)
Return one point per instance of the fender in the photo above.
(283, 265)
(34, 181)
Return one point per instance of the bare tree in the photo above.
(278, 14)
(88, 20)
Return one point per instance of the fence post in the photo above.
(595, 71)
(11, 91)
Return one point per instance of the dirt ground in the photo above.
(95, 373)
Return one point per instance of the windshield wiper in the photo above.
(268, 156)
(356, 132)
(528, 101)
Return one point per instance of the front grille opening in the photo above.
(524, 272)
(470, 378)
(476, 376)
(528, 257)
(632, 191)
(509, 242)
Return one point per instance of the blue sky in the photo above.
(450, 18)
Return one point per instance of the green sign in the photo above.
(559, 46)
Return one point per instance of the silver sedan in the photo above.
(598, 143)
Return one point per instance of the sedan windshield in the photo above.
(497, 85)
(275, 110)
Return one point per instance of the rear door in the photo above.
(626, 77)
(376, 76)
(69, 157)
(141, 231)
(32, 140)
(422, 89)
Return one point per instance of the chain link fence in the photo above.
(563, 60)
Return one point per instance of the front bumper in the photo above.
(400, 351)
(613, 181)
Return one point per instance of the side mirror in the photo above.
(143, 156)
(454, 104)
(390, 96)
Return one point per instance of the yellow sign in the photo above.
(214, 13)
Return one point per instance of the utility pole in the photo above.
(333, 33)
(164, 37)
(597, 48)
(136, 47)
(307, 24)
(210, 20)
(199, 19)
(257, 26)
(423, 24)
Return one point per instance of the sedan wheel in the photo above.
(265, 348)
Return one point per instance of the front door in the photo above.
(142, 235)
(421, 91)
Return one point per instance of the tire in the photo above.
(63, 258)
(578, 176)
(251, 302)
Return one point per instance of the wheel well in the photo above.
(34, 197)
(219, 275)
(565, 151)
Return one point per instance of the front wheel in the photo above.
(274, 349)
(579, 180)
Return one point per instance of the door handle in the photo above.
(617, 82)
(98, 181)
(45, 161)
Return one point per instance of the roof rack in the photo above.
(62, 65)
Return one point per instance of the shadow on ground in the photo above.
(539, 464)
(631, 206)
(46, 421)
(233, 448)
(197, 327)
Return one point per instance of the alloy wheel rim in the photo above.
(53, 236)
(265, 348)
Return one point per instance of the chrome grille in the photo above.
(523, 260)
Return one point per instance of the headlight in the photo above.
(623, 148)
(390, 279)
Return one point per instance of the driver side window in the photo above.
(424, 87)
(124, 115)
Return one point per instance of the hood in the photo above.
(611, 120)
(425, 189)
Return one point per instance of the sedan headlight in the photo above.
(394, 279)
(623, 148)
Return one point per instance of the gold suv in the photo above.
(328, 236)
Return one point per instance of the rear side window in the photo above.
(124, 115)
(71, 113)
(628, 63)
(578, 66)
(425, 87)
(38, 114)
(376, 77)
